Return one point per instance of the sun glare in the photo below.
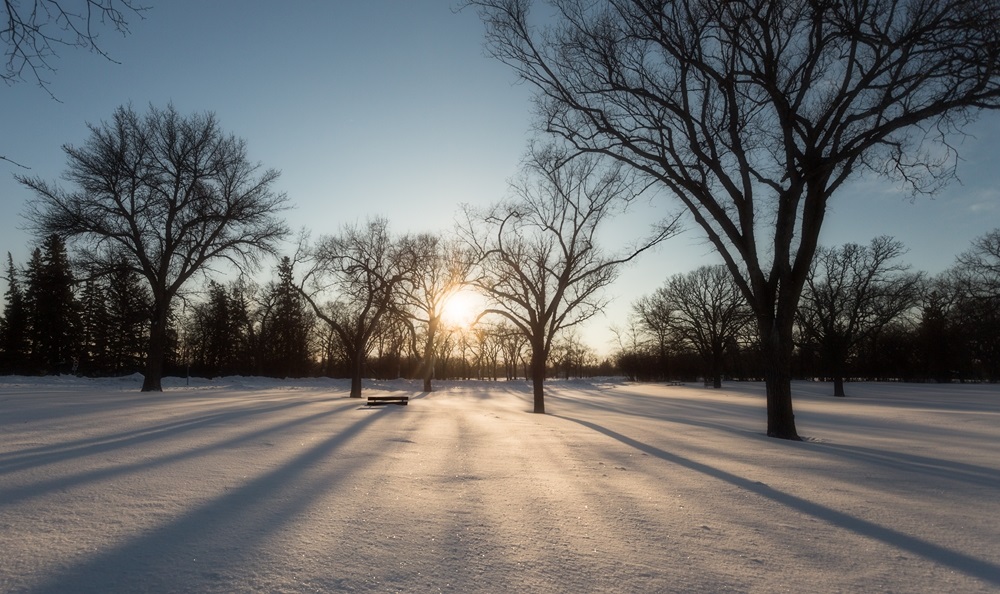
(462, 308)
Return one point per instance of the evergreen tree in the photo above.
(14, 325)
(216, 334)
(53, 309)
(96, 330)
(129, 310)
(286, 330)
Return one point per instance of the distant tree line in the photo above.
(863, 315)
(58, 318)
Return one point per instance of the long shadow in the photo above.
(978, 568)
(660, 412)
(66, 482)
(219, 536)
(922, 465)
(60, 452)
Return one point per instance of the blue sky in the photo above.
(390, 107)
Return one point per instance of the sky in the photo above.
(392, 108)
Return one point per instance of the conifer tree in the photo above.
(14, 325)
(129, 310)
(54, 317)
(286, 331)
(96, 330)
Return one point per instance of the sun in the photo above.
(462, 308)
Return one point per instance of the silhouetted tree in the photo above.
(939, 338)
(512, 343)
(537, 257)
(130, 308)
(15, 323)
(169, 193)
(977, 313)
(96, 330)
(705, 309)
(285, 330)
(753, 113)
(651, 330)
(851, 293)
(571, 354)
(352, 281)
(53, 311)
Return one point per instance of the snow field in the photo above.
(264, 486)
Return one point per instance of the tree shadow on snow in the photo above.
(978, 568)
(214, 546)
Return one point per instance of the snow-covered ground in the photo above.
(245, 485)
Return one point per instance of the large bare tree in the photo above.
(852, 292)
(169, 195)
(353, 282)
(538, 258)
(753, 113)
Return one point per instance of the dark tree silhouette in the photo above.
(15, 323)
(96, 330)
(753, 113)
(704, 309)
(537, 257)
(129, 310)
(851, 294)
(352, 281)
(53, 310)
(980, 265)
(169, 193)
(286, 328)
(976, 277)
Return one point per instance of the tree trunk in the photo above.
(717, 367)
(838, 384)
(430, 355)
(836, 353)
(538, 378)
(357, 366)
(776, 343)
(156, 351)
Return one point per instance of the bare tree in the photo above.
(976, 278)
(168, 194)
(703, 308)
(980, 266)
(851, 294)
(352, 282)
(537, 255)
(511, 347)
(755, 112)
(441, 271)
(651, 329)
(33, 32)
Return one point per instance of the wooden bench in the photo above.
(380, 400)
